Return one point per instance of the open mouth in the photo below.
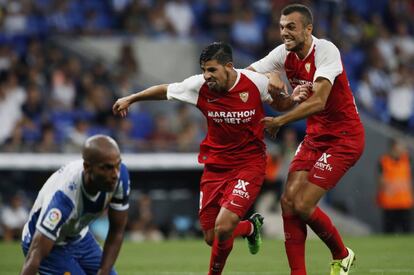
(211, 84)
(288, 40)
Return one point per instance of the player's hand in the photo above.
(276, 85)
(271, 125)
(301, 93)
(121, 106)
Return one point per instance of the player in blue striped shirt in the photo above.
(56, 238)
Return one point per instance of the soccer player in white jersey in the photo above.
(233, 151)
(56, 238)
(334, 138)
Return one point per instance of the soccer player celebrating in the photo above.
(334, 138)
(56, 239)
(233, 151)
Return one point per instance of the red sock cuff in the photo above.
(244, 228)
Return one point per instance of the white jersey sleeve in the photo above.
(56, 209)
(327, 61)
(274, 61)
(261, 82)
(186, 91)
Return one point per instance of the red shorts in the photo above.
(234, 189)
(328, 163)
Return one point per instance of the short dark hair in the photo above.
(219, 51)
(302, 9)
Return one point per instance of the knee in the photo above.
(302, 208)
(286, 202)
(224, 230)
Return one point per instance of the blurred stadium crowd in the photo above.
(51, 100)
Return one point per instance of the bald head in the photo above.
(97, 147)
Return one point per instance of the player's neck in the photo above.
(232, 78)
(87, 185)
(306, 48)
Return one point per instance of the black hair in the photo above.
(302, 9)
(219, 51)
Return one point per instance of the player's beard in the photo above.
(297, 48)
(299, 45)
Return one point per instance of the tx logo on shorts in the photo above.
(240, 189)
(322, 163)
(241, 184)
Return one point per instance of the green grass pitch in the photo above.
(376, 255)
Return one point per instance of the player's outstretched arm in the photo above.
(158, 92)
(39, 249)
(113, 242)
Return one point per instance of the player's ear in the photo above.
(309, 28)
(229, 65)
(86, 166)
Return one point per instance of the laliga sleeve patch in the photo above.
(52, 218)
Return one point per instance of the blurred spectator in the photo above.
(48, 142)
(125, 136)
(189, 138)
(180, 16)
(162, 138)
(401, 98)
(77, 135)
(217, 19)
(6, 58)
(12, 97)
(246, 32)
(395, 192)
(128, 69)
(63, 91)
(141, 221)
(15, 21)
(34, 107)
(159, 25)
(13, 218)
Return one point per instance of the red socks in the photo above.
(221, 250)
(321, 224)
(219, 253)
(243, 229)
(295, 237)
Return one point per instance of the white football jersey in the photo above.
(63, 210)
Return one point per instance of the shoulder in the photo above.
(280, 50)
(67, 179)
(124, 181)
(278, 54)
(260, 80)
(254, 76)
(324, 47)
(194, 81)
(191, 85)
(124, 173)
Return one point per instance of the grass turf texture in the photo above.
(376, 255)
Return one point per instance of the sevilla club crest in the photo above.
(244, 96)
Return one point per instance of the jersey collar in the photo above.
(237, 80)
(310, 49)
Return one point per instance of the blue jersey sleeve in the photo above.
(55, 214)
(120, 199)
